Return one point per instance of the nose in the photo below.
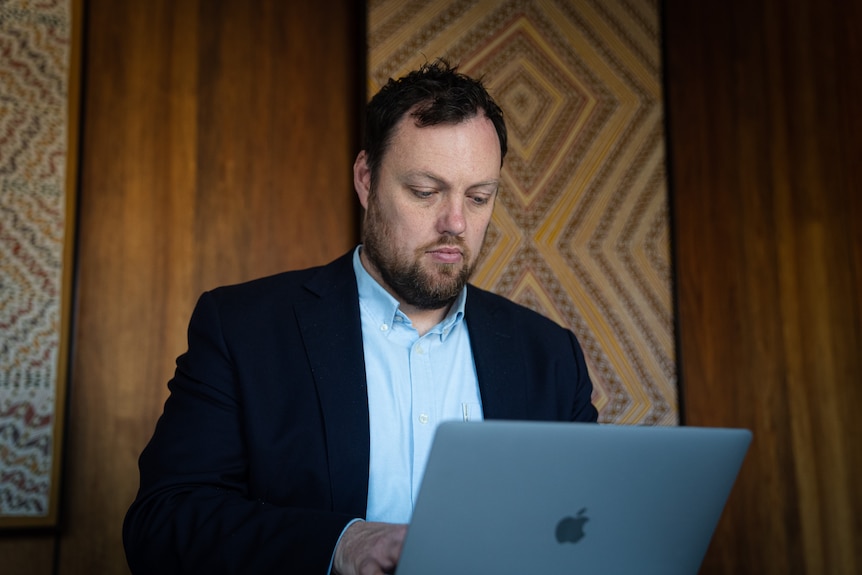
(451, 220)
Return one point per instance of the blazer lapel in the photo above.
(499, 363)
(331, 330)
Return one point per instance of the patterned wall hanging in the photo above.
(36, 216)
(581, 229)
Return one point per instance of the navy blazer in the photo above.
(260, 457)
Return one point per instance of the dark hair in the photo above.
(434, 94)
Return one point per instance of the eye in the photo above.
(480, 199)
(422, 193)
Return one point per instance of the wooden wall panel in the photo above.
(766, 181)
(26, 553)
(218, 143)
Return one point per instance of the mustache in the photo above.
(447, 241)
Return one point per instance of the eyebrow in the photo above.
(443, 183)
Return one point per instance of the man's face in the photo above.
(426, 219)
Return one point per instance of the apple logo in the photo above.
(571, 529)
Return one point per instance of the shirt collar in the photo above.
(384, 308)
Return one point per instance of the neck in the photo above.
(423, 319)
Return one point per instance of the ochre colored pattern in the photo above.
(581, 229)
(34, 48)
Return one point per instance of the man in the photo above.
(300, 418)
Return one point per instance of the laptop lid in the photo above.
(509, 497)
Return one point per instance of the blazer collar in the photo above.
(499, 363)
(331, 331)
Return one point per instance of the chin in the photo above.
(447, 271)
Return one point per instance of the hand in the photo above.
(369, 548)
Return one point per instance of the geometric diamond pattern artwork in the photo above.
(581, 229)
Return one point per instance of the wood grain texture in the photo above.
(27, 553)
(766, 184)
(218, 143)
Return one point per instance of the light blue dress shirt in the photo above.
(414, 383)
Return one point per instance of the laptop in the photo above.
(513, 497)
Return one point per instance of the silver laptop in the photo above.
(506, 497)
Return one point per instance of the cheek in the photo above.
(478, 226)
(414, 224)
(406, 229)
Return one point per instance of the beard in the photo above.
(426, 289)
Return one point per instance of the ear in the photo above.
(362, 178)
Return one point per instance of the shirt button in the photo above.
(423, 418)
(420, 350)
(384, 327)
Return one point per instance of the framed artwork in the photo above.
(581, 229)
(39, 69)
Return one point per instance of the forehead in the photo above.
(471, 146)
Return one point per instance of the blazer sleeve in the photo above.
(582, 407)
(195, 511)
